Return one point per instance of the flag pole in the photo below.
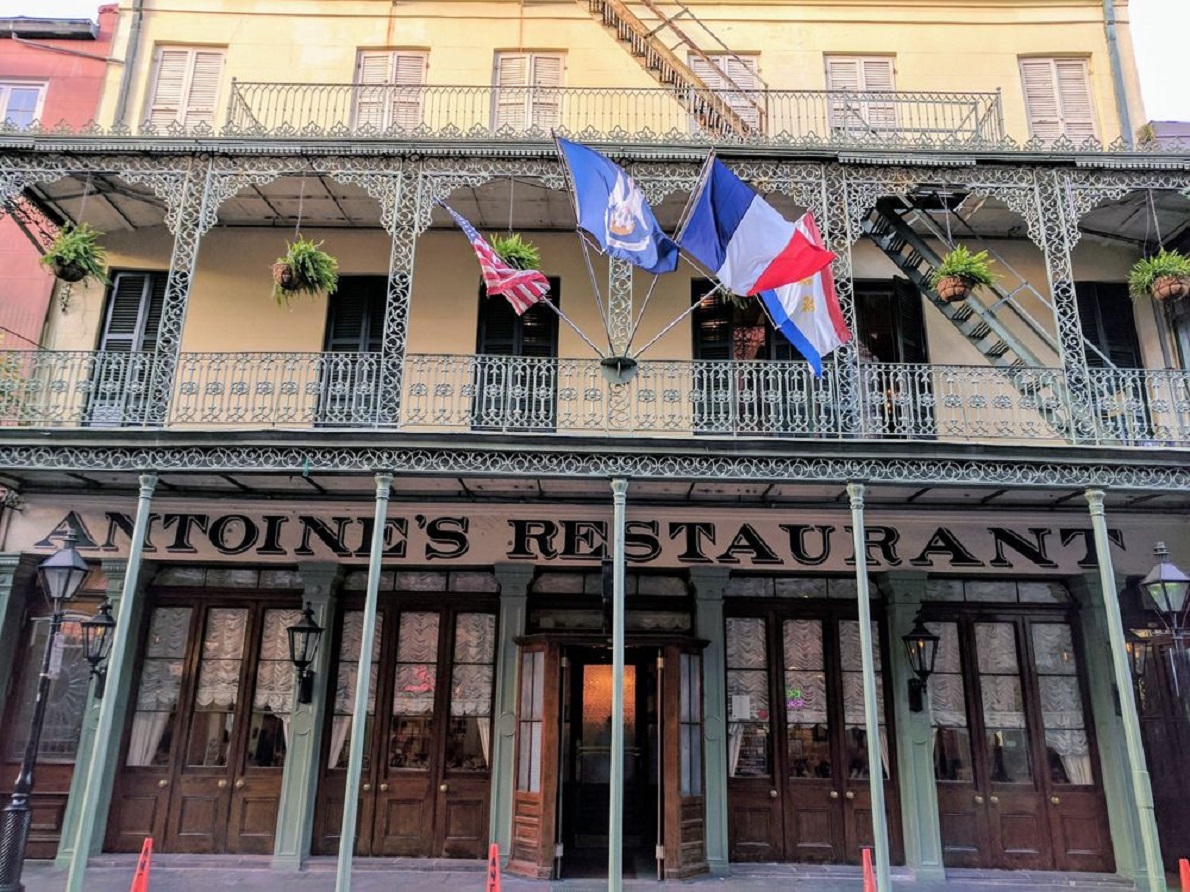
(572, 194)
(568, 321)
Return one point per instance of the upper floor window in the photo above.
(185, 86)
(736, 79)
(863, 75)
(528, 90)
(134, 307)
(20, 103)
(1058, 99)
(391, 87)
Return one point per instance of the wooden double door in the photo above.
(425, 788)
(205, 745)
(1014, 749)
(797, 773)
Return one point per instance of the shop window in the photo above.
(66, 706)
(528, 92)
(390, 89)
(185, 87)
(1058, 99)
(1009, 591)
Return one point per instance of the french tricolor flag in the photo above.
(741, 238)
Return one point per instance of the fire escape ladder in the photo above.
(728, 111)
(976, 320)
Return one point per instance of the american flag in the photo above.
(522, 287)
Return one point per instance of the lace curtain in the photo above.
(160, 682)
(1061, 701)
(222, 652)
(275, 675)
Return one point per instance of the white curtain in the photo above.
(485, 738)
(735, 741)
(147, 731)
(340, 728)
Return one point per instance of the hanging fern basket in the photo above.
(953, 289)
(305, 269)
(68, 272)
(1170, 288)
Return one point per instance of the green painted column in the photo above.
(514, 580)
(359, 710)
(120, 689)
(904, 592)
(299, 783)
(709, 584)
(880, 853)
(1109, 730)
(95, 794)
(12, 612)
(1150, 871)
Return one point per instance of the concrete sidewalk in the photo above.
(174, 873)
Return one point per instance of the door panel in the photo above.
(755, 816)
(535, 799)
(1017, 789)
(683, 804)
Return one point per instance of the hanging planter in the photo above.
(76, 255)
(516, 252)
(305, 269)
(1164, 276)
(960, 273)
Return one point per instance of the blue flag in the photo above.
(612, 207)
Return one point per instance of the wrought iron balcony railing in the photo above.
(481, 394)
(680, 113)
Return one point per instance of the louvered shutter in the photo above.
(910, 327)
(712, 323)
(742, 71)
(409, 78)
(858, 74)
(205, 69)
(168, 87)
(1041, 99)
(135, 304)
(356, 319)
(371, 95)
(878, 78)
(512, 82)
(1108, 320)
(546, 97)
(1074, 97)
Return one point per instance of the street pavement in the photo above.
(174, 873)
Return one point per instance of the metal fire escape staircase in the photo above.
(996, 324)
(654, 37)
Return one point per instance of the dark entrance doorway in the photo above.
(586, 768)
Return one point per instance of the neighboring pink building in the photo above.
(51, 70)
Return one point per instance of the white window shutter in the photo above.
(877, 75)
(742, 72)
(1074, 96)
(372, 74)
(512, 82)
(205, 68)
(842, 73)
(546, 107)
(1041, 98)
(409, 78)
(168, 87)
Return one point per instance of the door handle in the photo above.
(995, 800)
(978, 799)
(222, 785)
(163, 783)
(444, 788)
(384, 788)
(240, 784)
(834, 794)
(1054, 800)
(850, 794)
(367, 788)
(772, 794)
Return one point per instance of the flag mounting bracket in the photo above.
(618, 369)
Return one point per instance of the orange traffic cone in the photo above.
(1184, 873)
(869, 876)
(493, 868)
(140, 880)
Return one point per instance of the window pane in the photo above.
(22, 105)
(272, 700)
(468, 743)
(346, 675)
(1068, 750)
(948, 708)
(748, 709)
(412, 729)
(1003, 703)
(218, 687)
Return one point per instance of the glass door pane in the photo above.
(855, 737)
(346, 675)
(748, 708)
(948, 709)
(160, 684)
(218, 690)
(411, 733)
(1067, 746)
(268, 732)
(469, 741)
(807, 718)
(1007, 740)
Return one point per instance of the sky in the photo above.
(1159, 29)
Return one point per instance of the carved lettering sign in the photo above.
(666, 537)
